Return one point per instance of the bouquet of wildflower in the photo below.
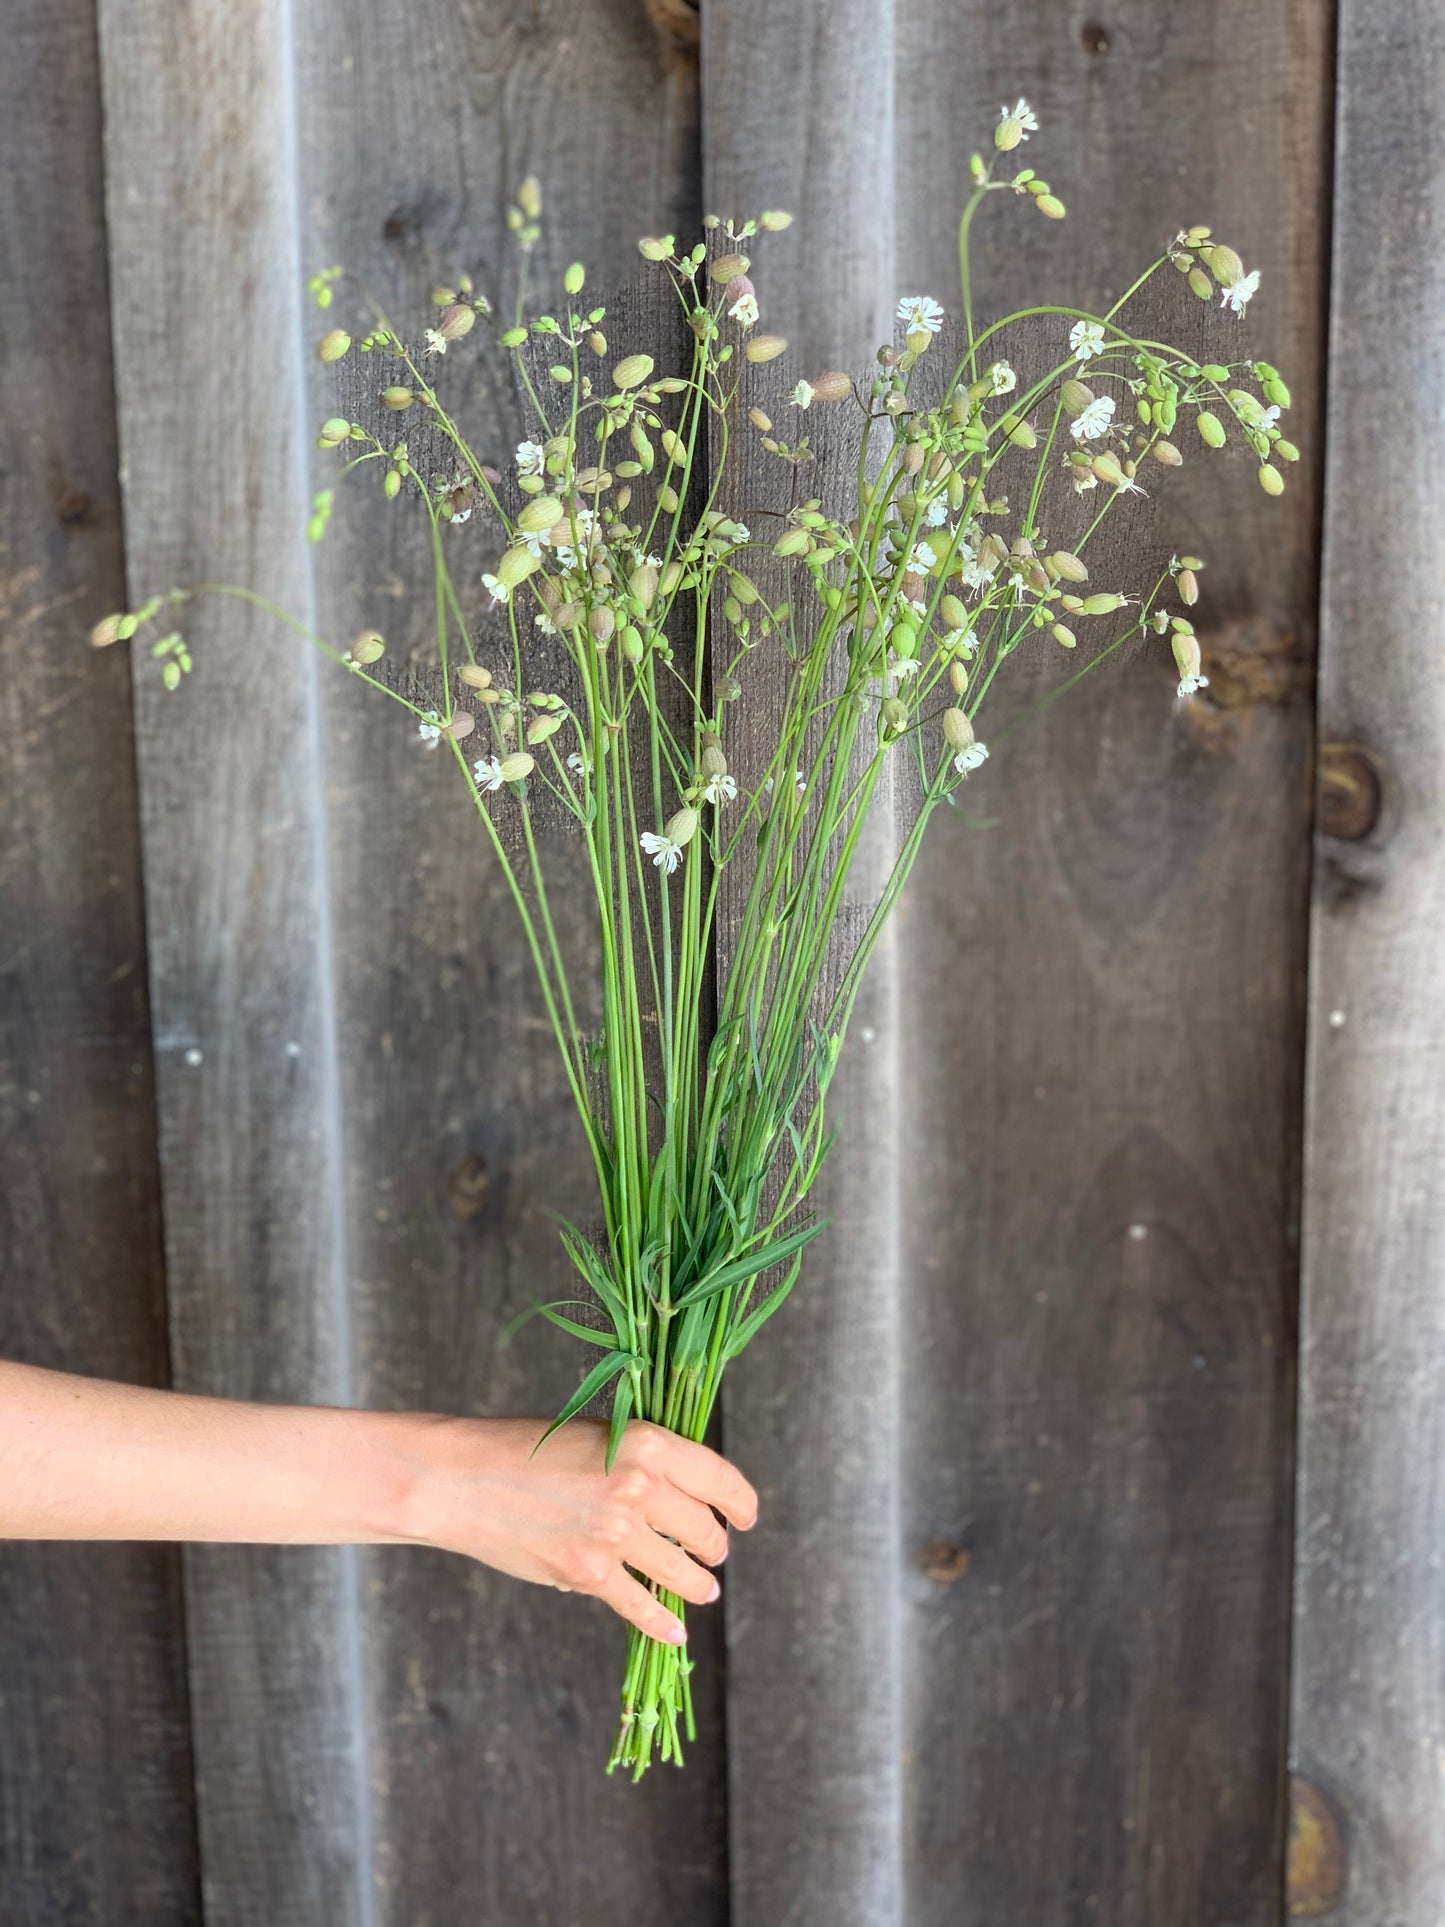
(628, 598)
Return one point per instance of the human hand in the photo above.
(560, 1518)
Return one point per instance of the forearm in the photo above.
(86, 1459)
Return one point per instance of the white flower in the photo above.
(937, 511)
(1188, 684)
(961, 642)
(1084, 479)
(545, 623)
(970, 758)
(902, 667)
(920, 314)
(576, 761)
(721, 788)
(1236, 295)
(430, 730)
(530, 458)
(802, 395)
(1003, 378)
(488, 772)
(435, 344)
(1095, 419)
(921, 560)
(801, 781)
(744, 311)
(496, 590)
(664, 852)
(1023, 114)
(1086, 338)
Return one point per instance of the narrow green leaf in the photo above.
(621, 1411)
(748, 1329)
(602, 1373)
(753, 1263)
(553, 1312)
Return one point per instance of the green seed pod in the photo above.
(681, 827)
(765, 347)
(529, 197)
(513, 337)
(1069, 566)
(1023, 436)
(1167, 453)
(724, 266)
(642, 585)
(728, 689)
(560, 373)
(1050, 205)
(1224, 264)
(1074, 604)
(391, 487)
(1190, 562)
(597, 342)
(1200, 283)
(396, 399)
(957, 729)
(642, 447)
(654, 250)
(366, 648)
(958, 676)
(574, 277)
(1286, 451)
(1270, 480)
(106, 631)
(543, 512)
(1107, 468)
(601, 623)
(1276, 392)
(760, 420)
(732, 609)
(1102, 605)
(713, 763)
(1186, 653)
(1064, 637)
(1213, 371)
(470, 673)
(743, 587)
(668, 500)
(1210, 427)
(773, 220)
(1076, 396)
(954, 614)
(1143, 411)
(516, 565)
(456, 321)
(903, 640)
(333, 344)
(1198, 234)
(632, 371)
(516, 766)
(337, 429)
(1187, 583)
(670, 578)
(673, 446)
(794, 542)
(541, 727)
(895, 715)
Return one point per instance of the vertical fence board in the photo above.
(1369, 1685)
(798, 113)
(492, 1703)
(203, 231)
(1105, 1004)
(92, 1671)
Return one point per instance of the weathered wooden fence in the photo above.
(1013, 1641)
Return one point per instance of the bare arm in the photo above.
(87, 1459)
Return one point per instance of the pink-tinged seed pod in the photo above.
(1167, 453)
(456, 321)
(833, 385)
(953, 612)
(642, 584)
(727, 267)
(957, 729)
(958, 676)
(106, 631)
(601, 624)
(333, 344)
(474, 676)
(737, 287)
(1186, 653)
(1187, 583)
(462, 724)
(760, 420)
(765, 348)
(1068, 566)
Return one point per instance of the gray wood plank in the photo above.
(492, 1704)
(96, 1815)
(1104, 1005)
(1368, 1703)
(204, 254)
(798, 112)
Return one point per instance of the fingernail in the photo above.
(716, 1589)
(675, 1634)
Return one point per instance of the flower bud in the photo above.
(456, 321)
(1063, 636)
(958, 676)
(1199, 283)
(681, 827)
(1052, 206)
(574, 277)
(1270, 480)
(773, 221)
(903, 640)
(472, 674)
(333, 344)
(1210, 427)
(391, 485)
(366, 648)
(1068, 566)
(652, 249)
(765, 348)
(1187, 583)
(396, 399)
(632, 371)
(1076, 396)
(543, 512)
(957, 729)
(516, 766)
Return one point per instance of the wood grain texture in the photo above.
(1104, 1009)
(203, 223)
(491, 1703)
(1368, 1716)
(798, 113)
(92, 1671)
